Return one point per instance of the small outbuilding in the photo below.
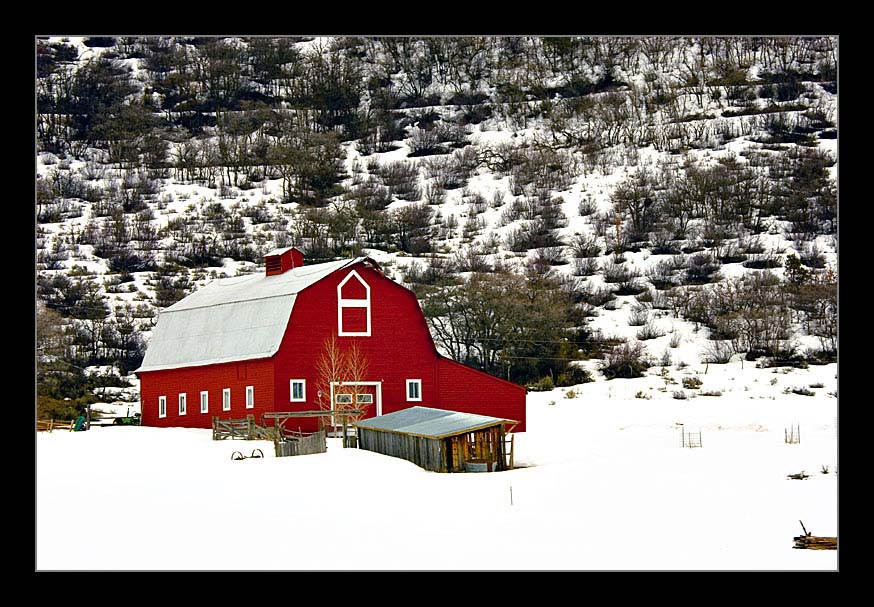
(441, 440)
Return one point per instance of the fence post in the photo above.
(250, 422)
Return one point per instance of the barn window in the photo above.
(353, 306)
(226, 399)
(250, 397)
(414, 389)
(162, 406)
(343, 399)
(183, 405)
(298, 390)
(364, 399)
(204, 402)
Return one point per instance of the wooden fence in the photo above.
(47, 425)
(295, 443)
(245, 429)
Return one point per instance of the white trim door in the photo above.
(377, 384)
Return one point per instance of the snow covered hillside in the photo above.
(639, 174)
(602, 484)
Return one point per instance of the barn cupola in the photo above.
(279, 261)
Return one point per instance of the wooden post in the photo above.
(250, 422)
(512, 450)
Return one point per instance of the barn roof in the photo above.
(430, 422)
(231, 319)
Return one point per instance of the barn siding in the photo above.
(399, 346)
(427, 453)
(467, 390)
(213, 378)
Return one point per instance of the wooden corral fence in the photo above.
(289, 442)
(47, 425)
(297, 443)
(244, 428)
(792, 434)
(690, 439)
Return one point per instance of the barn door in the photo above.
(365, 398)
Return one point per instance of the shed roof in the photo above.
(430, 422)
(231, 319)
(279, 251)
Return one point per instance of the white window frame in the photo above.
(364, 398)
(418, 382)
(250, 397)
(226, 399)
(303, 384)
(204, 401)
(183, 403)
(343, 399)
(352, 303)
(162, 406)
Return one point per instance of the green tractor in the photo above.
(133, 420)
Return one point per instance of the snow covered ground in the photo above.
(602, 484)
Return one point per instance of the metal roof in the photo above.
(430, 422)
(279, 251)
(231, 319)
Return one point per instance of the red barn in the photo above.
(250, 345)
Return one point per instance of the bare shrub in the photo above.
(434, 194)
(649, 331)
(659, 301)
(583, 245)
(812, 257)
(587, 206)
(597, 296)
(618, 273)
(402, 179)
(661, 275)
(718, 352)
(766, 261)
(471, 259)
(549, 256)
(588, 266)
(497, 199)
(626, 360)
(751, 245)
(425, 142)
(448, 172)
(639, 316)
(703, 268)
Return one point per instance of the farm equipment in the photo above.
(133, 420)
(256, 453)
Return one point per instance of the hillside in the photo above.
(621, 202)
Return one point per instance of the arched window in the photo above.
(353, 306)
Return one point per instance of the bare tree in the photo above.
(330, 370)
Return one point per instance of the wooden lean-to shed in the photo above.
(440, 440)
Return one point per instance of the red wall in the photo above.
(213, 378)
(461, 388)
(399, 346)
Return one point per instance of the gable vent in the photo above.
(273, 264)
